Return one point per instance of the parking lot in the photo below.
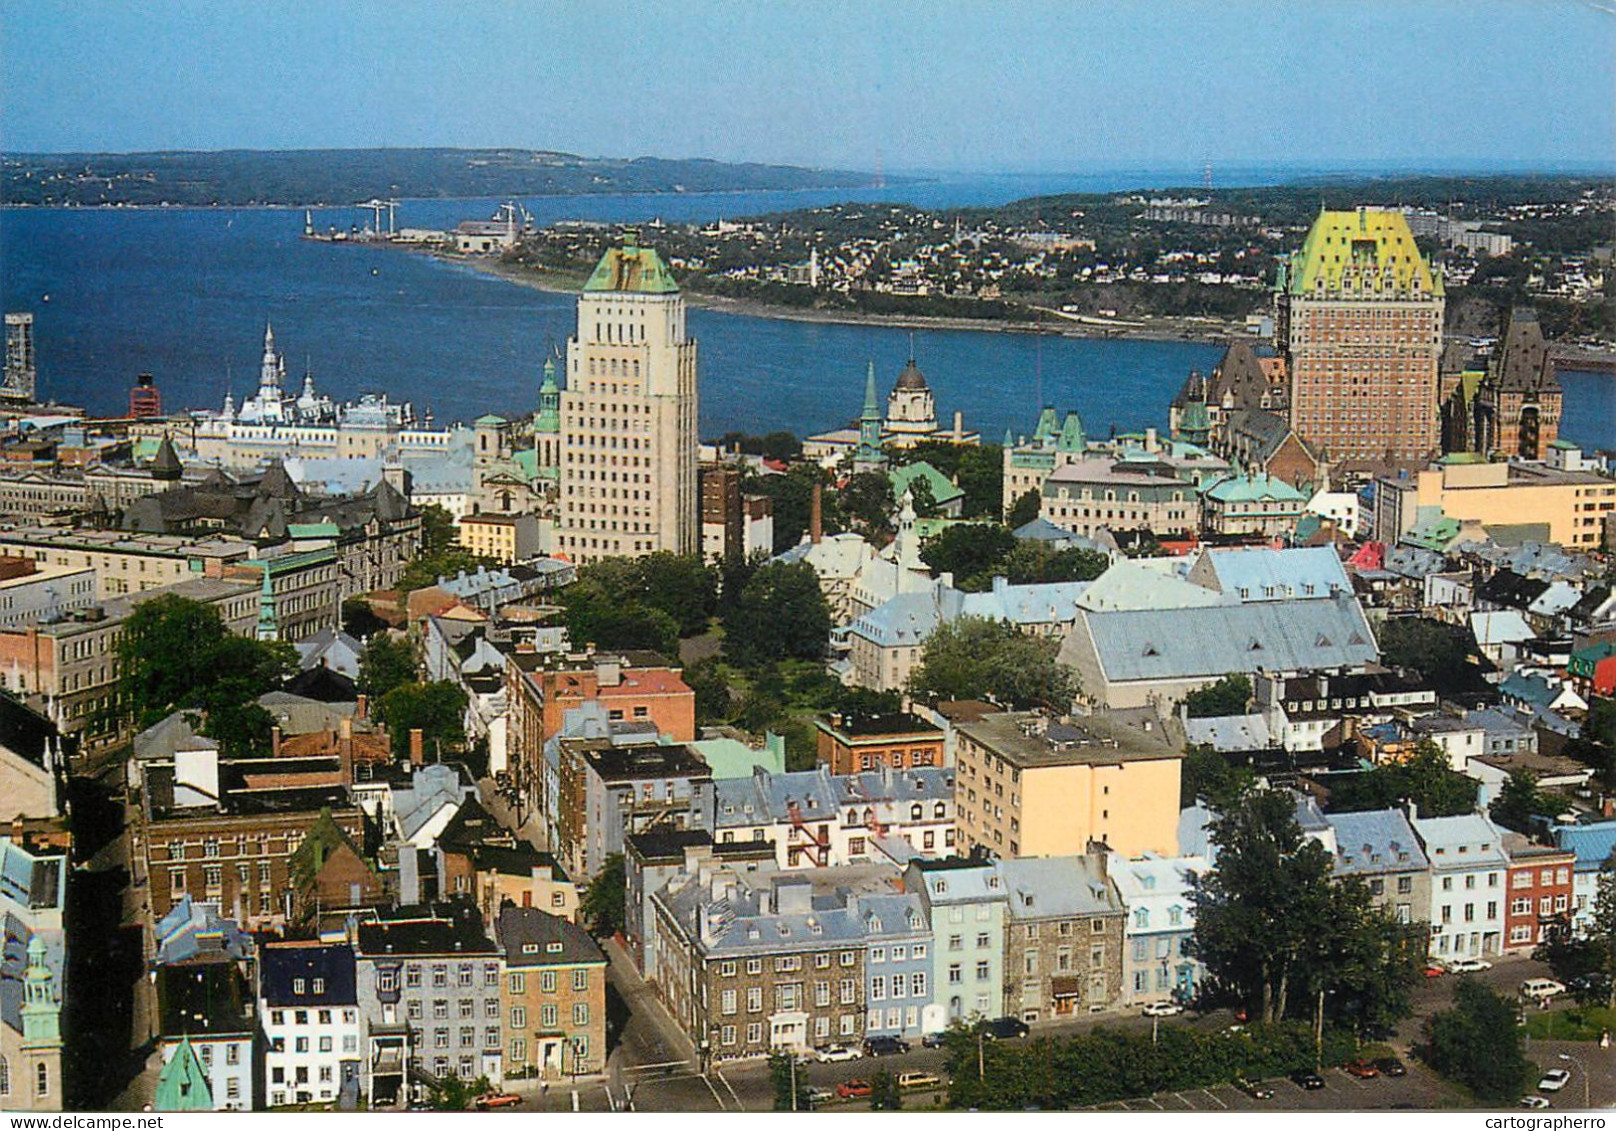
(1419, 1090)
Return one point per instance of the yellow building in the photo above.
(628, 415)
(1029, 785)
(1572, 504)
(1360, 326)
(507, 538)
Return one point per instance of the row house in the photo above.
(1064, 927)
(1468, 883)
(1380, 848)
(607, 792)
(436, 971)
(815, 818)
(313, 1031)
(850, 743)
(1540, 892)
(1592, 842)
(965, 903)
(553, 995)
(206, 1007)
(898, 964)
(750, 965)
(1158, 963)
(652, 859)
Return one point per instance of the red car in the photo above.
(1434, 971)
(1362, 1069)
(496, 1100)
(853, 1089)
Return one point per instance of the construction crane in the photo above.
(376, 207)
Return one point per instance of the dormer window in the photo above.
(299, 986)
(319, 985)
(553, 948)
(530, 948)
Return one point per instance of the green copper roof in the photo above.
(942, 489)
(1071, 437)
(1253, 489)
(1194, 418)
(326, 529)
(1364, 252)
(632, 269)
(182, 1085)
(489, 418)
(527, 462)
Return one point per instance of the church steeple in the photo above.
(268, 627)
(549, 418)
(869, 454)
(41, 1011)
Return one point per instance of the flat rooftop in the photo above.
(1029, 739)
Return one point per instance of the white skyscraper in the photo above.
(628, 415)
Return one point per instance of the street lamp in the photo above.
(1587, 1100)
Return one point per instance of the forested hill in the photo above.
(346, 176)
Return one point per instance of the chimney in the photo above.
(275, 741)
(417, 746)
(1607, 808)
(362, 707)
(816, 516)
(345, 729)
(959, 427)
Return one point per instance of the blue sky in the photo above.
(1015, 85)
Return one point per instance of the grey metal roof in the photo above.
(1375, 842)
(531, 937)
(1262, 574)
(1214, 640)
(1056, 887)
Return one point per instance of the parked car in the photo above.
(918, 1080)
(1004, 1028)
(836, 1054)
(1391, 1066)
(1469, 965)
(853, 1089)
(1361, 1069)
(1534, 1101)
(1163, 1009)
(931, 1041)
(1590, 983)
(1435, 970)
(817, 1096)
(1309, 1081)
(1554, 1079)
(492, 1100)
(1253, 1089)
(1541, 989)
(884, 1046)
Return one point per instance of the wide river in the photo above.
(184, 294)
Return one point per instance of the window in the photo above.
(580, 980)
(440, 1009)
(547, 1017)
(299, 986)
(325, 1044)
(580, 1013)
(547, 981)
(983, 971)
(412, 976)
(728, 1001)
(518, 983)
(954, 975)
(519, 1050)
(754, 999)
(518, 1017)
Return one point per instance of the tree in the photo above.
(358, 620)
(681, 585)
(437, 710)
(1211, 777)
(1228, 696)
(971, 657)
(1261, 912)
(438, 530)
(1519, 800)
(1425, 778)
(971, 551)
(790, 1079)
(792, 496)
(605, 901)
(1478, 1043)
(1435, 650)
(1033, 562)
(1601, 938)
(176, 654)
(866, 499)
(714, 701)
(783, 446)
(885, 1095)
(782, 613)
(1027, 507)
(597, 615)
(385, 664)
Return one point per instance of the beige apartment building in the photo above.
(1029, 785)
(507, 538)
(628, 415)
(1360, 325)
(1572, 504)
(126, 562)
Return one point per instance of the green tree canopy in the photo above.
(789, 1078)
(605, 900)
(1213, 778)
(1424, 778)
(385, 664)
(1437, 651)
(971, 657)
(1519, 800)
(1034, 562)
(437, 709)
(792, 496)
(1478, 1043)
(971, 551)
(1228, 696)
(782, 614)
(1026, 508)
(866, 500)
(176, 654)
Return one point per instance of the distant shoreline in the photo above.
(556, 282)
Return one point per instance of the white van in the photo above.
(1540, 988)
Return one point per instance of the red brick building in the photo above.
(1539, 898)
(849, 744)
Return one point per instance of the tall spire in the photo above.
(868, 454)
(268, 627)
(872, 405)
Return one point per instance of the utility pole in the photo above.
(793, 1057)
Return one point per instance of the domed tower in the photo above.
(911, 409)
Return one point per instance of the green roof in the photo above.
(1366, 251)
(632, 269)
(943, 490)
(490, 418)
(729, 758)
(1436, 534)
(182, 1085)
(1251, 489)
(326, 529)
(527, 462)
